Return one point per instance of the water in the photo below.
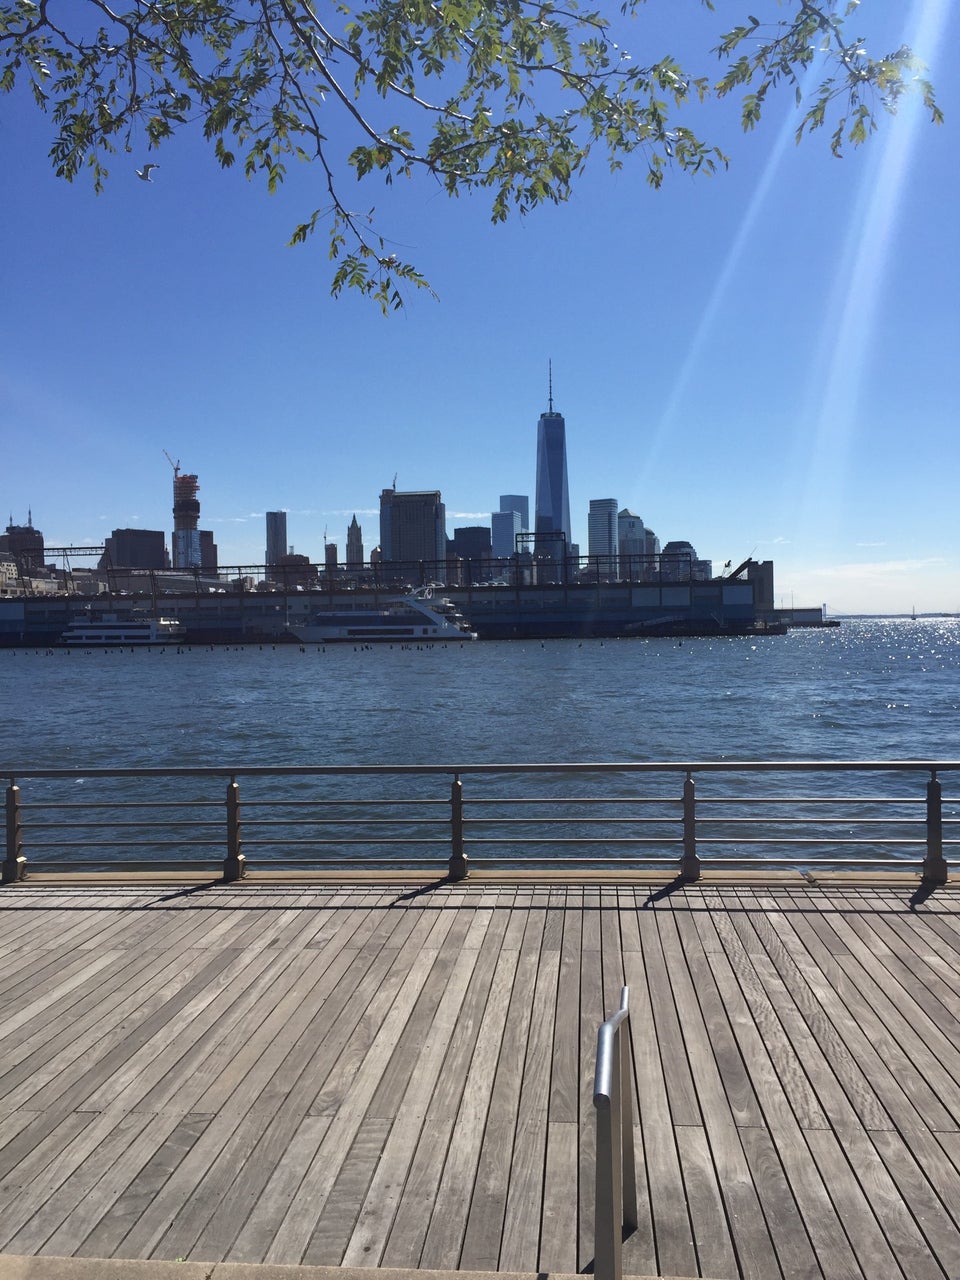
(865, 690)
(869, 690)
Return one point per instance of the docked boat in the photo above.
(412, 618)
(110, 630)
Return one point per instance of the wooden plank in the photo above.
(485, 1218)
(280, 1186)
(338, 1218)
(565, 1079)
(199, 1185)
(696, 980)
(558, 1245)
(444, 1238)
(753, 1248)
(826, 1020)
(520, 1244)
(664, 1240)
(294, 1231)
(684, 1107)
(592, 1014)
(447, 938)
(356, 986)
(715, 1255)
(30, 1218)
(368, 1242)
(156, 1060)
(405, 1244)
(903, 1235)
(111, 1205)
(852, 1207)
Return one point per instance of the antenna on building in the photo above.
(395, 481)
(550, 383)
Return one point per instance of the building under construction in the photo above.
(191, 547)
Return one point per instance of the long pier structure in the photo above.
(393, 1071)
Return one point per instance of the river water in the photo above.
(864, 690)
(867, 690)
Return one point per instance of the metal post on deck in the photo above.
(615, 1205)
(934, 864)
(234, 864)
(458, 859)
(14, 863)
(690, 862)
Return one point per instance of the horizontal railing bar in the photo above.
(341, 802)
(41, 806)
(98, 826)
(716, 839)
(743, 821)
(119, 844)
(447, 770)
(709, 799)
(253, 842)
(489, 800)
(563, 822)
(260, 824)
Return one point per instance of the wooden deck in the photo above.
(402, 1077)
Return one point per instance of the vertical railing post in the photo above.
(934, 864)
(615, 1205)
(458, 859)
(627, 1153)
(14, 863)
(690, 862)
(234, 864)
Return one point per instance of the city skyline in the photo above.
(755, 362)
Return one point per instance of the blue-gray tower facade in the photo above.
(552, 503)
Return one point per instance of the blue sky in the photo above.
(764, 362)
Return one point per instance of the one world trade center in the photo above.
(552, 508)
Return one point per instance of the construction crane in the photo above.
(175, 465)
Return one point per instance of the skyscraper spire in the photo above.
(550, 383)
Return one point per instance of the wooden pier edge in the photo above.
(46, 1268)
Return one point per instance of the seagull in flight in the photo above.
(144, 173)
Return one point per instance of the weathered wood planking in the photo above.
(384, 1075)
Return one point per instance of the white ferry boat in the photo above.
(110, 630)
(412, 618)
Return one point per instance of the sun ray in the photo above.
(851, 314)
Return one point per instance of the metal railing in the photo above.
(615, 1213)
(593, 815)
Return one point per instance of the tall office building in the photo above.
(208, 551)
(276, 538)
(505, 525)
(520, 503)
(413, 527)
(552, 504)
(631, 545)
(354, 544)
(24, 543)
(135, 549)
(603, 537)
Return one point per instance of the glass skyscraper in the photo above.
(552, 504)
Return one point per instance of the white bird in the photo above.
(144, 173)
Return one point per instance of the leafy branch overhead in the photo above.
(509, 96)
